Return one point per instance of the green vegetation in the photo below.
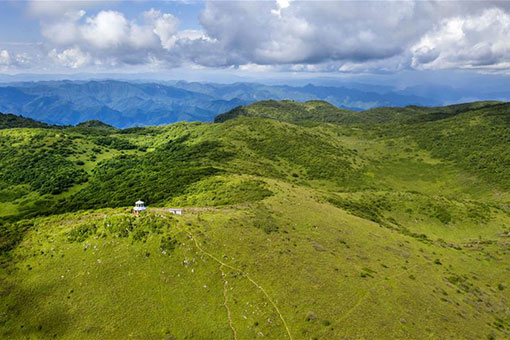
(291, 111)
(94, 124)
(477, 141)
(114, 143)
(8, 121)
(39, 159)
(301, 221)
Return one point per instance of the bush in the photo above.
(140, 235)
(264, 221)
(114, 143)
(81, 233)
(11, 234)
(168, 244)
(156, 176)
(47, 171)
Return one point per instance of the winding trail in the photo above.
(223, 264)
(225, 303)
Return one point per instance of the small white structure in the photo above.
(139, 207)
(175, 211)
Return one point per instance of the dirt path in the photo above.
(191, 210)
(223, 264)
(225, 302)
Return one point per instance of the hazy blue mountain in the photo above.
(124, 104)
(344, 97)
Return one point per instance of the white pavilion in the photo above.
(139, 207)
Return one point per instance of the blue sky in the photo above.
(395, 40)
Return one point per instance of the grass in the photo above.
(110, 283)
(291, 230)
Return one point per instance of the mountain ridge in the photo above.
(125, 104)
(322, 111)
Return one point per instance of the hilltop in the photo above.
(94, 124)
(324, 112)
(9, 120)
(300, 221)
(291, 111)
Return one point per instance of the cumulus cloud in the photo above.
(5, 58)
(164, 26)
(307, 36)
(64, 31)
(110, 30)
(110, 38)
(356, 36)
(281, 4)
(479, 41)
(312, 32)
(10, 60)
(72, 57)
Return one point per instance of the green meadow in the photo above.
(300, 221)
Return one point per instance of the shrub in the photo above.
(140, 235)
(168, 243)
(81, 233)
(265, 222)
(114, 143)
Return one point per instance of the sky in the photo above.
(449, 40)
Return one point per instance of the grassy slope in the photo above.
(316, 110)
(330, 274)
(321, 231)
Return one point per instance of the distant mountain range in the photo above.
(125, 104)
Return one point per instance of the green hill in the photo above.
(94, 124)
(416, 114)
(287, 110)
(8, 121)
(292, 228)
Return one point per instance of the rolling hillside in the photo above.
(291, 111)
(301, 221)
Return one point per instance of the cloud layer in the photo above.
(475, 41)
(344, 36)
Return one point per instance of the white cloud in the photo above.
(311, 32)
(301, 36)
(23, 60)
(110, 38)
(5, 58)
(108, 29)
(478, 41)
(73, 57)
(64, 31)
(11, 60)
(358, 36)
(164, 26)
(281, 4)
